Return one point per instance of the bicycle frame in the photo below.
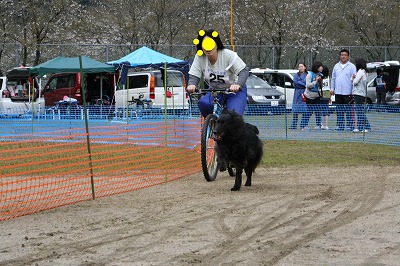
(209, 159)
(217, 106)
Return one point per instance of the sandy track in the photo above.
(319, 216)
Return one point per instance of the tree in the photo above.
(32, 23)
(375, 24)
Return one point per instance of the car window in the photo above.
(254, 82)
(138, 81)
(282, 78)
(269, 78)
(277, 79)
(174, 79)
(64, 81)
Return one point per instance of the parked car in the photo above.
(20, 93)
(282, 80)
(259, 92)
(392, 79)
(150, 84)
(99, 86)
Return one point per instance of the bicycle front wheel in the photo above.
(208, 156)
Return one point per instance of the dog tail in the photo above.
(259, 155)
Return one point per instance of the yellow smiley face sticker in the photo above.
(208, 44)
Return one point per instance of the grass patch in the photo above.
(281, 153)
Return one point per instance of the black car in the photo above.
(262, 98)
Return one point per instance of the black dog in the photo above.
(237, 145)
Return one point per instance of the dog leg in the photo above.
(249, 173)
(222, 164)
(238, 180)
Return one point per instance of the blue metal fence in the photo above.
(274, 123)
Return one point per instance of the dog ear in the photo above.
(234, 113)
(225, 111)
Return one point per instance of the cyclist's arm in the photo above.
(242, 77)
(192, 83)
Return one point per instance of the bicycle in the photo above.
(209, 159)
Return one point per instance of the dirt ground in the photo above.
(313, 216)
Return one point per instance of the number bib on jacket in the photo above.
(215, 75)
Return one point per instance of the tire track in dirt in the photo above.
(361, 199)
(207, 224)
(86, 245)
(74, 247)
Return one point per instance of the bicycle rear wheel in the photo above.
(208, 156)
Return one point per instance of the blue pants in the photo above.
(235, 102)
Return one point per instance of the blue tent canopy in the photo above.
(145, 57)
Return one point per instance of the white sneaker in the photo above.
(317, 127)
(325, 127)
(305, 128)
(365, 131)
(356, 130)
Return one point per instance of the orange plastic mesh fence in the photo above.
(44, 166)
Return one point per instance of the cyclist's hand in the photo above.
(234, 88)
(191, 88)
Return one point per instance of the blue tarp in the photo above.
(144, 58)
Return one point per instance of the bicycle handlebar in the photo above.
(216, 87)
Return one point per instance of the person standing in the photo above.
(380, 87)
(341, 87)
(325, 97)
(313, 83)
(360, 94)
(215, 63)
(299, 106)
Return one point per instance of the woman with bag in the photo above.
(313, 83)
(299, 106)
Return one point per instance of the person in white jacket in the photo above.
(360, 93)
(341, 87)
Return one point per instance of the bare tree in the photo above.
(375, 24)
(32, 23)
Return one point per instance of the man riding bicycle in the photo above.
(219, 65)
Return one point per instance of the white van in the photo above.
(391, 72)
(18, 96)
(150, 85)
